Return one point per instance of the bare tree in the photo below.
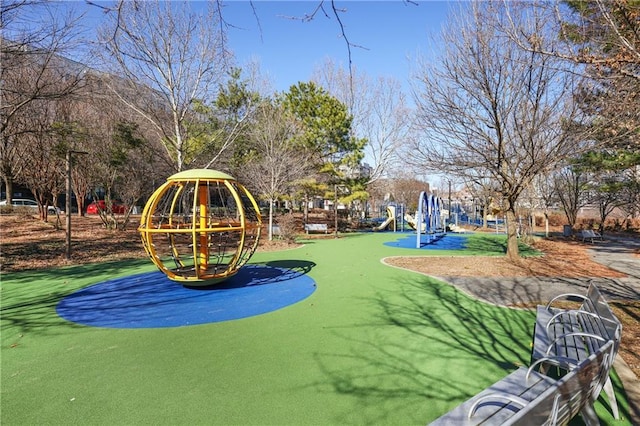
(386, 126)
(119, 164)
(349, 88)
(545, 195)
(406, 190)
(603, 37)
(45, 158)
(277, 163)
(118, 160)
(176, 53)
(484, 192)
(34, 36)
(379, 109)
(571, 189)
(607, 190)
(490, 110)
(128, 171)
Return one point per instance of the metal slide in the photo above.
(391, 212)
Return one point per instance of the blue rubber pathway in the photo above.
(151, 300)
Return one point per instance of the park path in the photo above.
(616, 252)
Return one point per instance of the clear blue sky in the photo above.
(390, 33)
(288, 50)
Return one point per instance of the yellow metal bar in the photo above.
(240, 208)
(194, 228)
(150, 207)
(174, 201)
(174, 250)
(246, 225)
(183, 230)
(203, 253)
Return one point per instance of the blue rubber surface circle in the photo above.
(151, 300)
(428, 242)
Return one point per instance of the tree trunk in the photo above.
(512, 235)
(546, 224)
(8, 186)
(271, 219)
(80, 205)
(532, 224)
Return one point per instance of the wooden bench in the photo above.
(575, 334)
(528, 397)
(316, 227)
(590, 234)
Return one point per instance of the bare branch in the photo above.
(488, 109)
(179, 58)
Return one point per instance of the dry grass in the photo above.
(561, 258)
(28, 243)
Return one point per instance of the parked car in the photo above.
(26, 203)
(116, 207)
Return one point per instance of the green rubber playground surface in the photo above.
(371, 345)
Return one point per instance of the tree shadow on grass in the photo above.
(24, 312)
(428, 348)
(77, 272)
(29, 298)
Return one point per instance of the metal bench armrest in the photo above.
(566, 296)
(497, 396)
(574, 311)
(559, 361)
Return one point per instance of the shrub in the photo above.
(555, 219)
(287, 225)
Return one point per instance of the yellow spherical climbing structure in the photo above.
(200, 227)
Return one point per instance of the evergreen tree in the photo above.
(606, 35)
(326, 131)
(326, 127)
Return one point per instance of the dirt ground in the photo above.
(28, 243)
(570, 257)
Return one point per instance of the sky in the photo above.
(391, 33)
(388, 35)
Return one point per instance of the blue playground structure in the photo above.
(428, 219)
